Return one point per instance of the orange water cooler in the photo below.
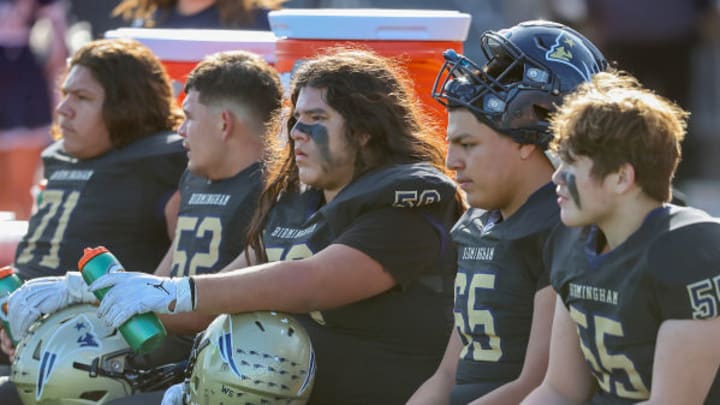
(416, 38)
(181, 49)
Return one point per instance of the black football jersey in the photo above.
(500, 268)
(213, 221)
(379, 350)
(116, 200)
(668, 269)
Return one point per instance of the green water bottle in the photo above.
(143, 332)
(9, 282)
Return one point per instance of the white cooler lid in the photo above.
(370, 24)
(192, 45)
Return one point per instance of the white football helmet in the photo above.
(71, 357)
(258, 358)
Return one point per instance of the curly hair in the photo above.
(613, 120)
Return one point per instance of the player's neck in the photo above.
(237, 159)
(626, 217)
(539, 174)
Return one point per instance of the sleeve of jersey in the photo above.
(685, 269)
(404, 241)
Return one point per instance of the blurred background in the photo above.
(672, 46)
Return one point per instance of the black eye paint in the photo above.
(569, 180)
(319, 134)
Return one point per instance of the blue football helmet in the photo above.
(529, 68)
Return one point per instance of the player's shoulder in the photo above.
(538, 216)
(686, 247)
(155, 145)
(403, 185)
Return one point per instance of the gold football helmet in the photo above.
(71, 357)
(259, 357)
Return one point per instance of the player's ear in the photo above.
(227, 122)
(526, 150)
(363, 139)
(624, 177)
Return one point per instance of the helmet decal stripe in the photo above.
(46, 368)
(310, 374)
(226, 353)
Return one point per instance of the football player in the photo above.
(112, 175)
(233, 100)
(637, 278)
(497, 135)
(351, 235)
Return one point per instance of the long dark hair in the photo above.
(139, 100)
(375, 97)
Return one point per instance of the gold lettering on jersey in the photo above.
(478, 253)
(590, 293)
(72, 175)
(209, 199)
(291, 233)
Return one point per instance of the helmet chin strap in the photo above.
(152, 379)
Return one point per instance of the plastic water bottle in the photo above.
(9, 282)
(142, 332)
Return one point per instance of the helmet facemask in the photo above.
(516, 90)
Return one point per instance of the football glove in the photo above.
(134, 293)
(45, 295)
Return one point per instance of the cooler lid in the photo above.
(370, 24)
(193, 45)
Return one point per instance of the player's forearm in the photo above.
(435, 391)
(508, 394)
(545, 394)
(187, 323)
(270, 286)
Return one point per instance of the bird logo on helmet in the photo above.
(529, 68)
(252, 358)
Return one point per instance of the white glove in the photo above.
(174, 395)
(45, 295)
(136, 293)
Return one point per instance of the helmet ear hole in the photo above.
(542, 113)
(260, 326)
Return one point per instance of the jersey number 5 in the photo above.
(199, 229)
(477, 318)
(604, 362)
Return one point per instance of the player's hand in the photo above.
(174, 395)
(6, 345)
(136, 293)
(45, 295)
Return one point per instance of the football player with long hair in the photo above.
(112, 176)
(497, 135)
(636, 319)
